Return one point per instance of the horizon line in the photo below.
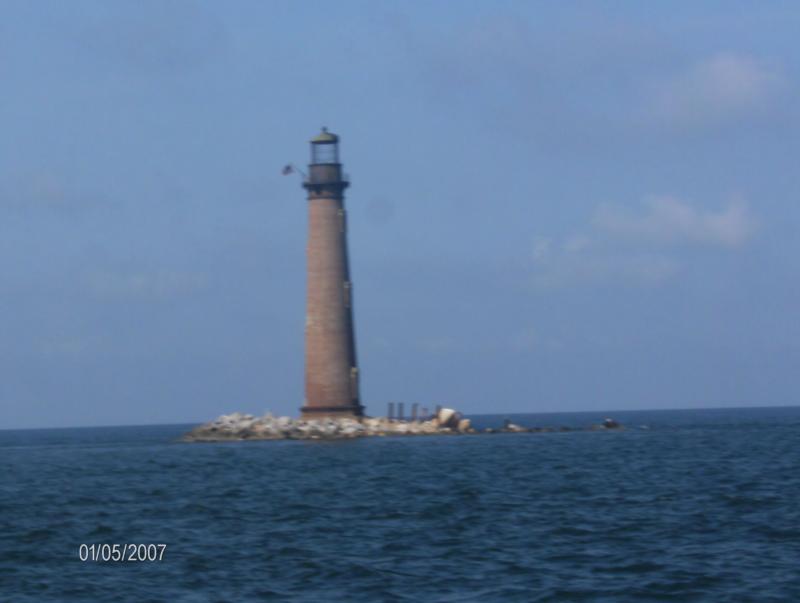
(479, 414)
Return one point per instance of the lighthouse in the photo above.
(331, 371)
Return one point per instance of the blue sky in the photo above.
(554, 206)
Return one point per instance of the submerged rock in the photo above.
(607, 424)
(510, 427)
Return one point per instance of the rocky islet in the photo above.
(240, 426)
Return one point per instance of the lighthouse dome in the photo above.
(325, 137)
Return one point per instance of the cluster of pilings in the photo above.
(396, 412)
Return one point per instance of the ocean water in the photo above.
(681, 506)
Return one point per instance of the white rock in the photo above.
(448, 417)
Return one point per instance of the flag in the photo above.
(287, 169)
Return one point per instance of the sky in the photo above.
(554, 206)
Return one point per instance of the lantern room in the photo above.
(325, 148)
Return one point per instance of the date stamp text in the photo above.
(121, 552)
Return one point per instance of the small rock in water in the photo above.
(510, 427)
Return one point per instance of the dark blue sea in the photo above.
(682, 506)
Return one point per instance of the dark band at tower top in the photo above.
(331, 371)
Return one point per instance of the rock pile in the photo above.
(238, 426)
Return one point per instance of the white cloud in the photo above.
(576, 243)
(602, 265)
(667, 219)
(717, 88)
(159, 286)
(45, 191)
(541, 248)
(635, 246)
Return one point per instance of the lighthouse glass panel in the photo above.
(325, 153)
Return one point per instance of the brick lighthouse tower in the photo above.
(331, 388)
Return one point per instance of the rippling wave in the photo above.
(701, 506)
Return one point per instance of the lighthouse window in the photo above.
(324, 153)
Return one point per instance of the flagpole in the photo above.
(290, 167)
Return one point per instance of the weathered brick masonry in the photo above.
(331, 373)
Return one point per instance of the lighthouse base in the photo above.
(337, 412)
